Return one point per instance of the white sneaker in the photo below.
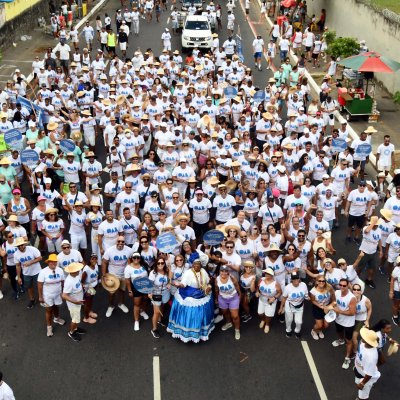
(226, 326)
(338, 342)
(237, 334)
(321, 335)
(124, 308)
(49, 331)
(314, 335)
(59, 321)
(1, 295)
(262, 323)
(144, 315)
(346, 363)
(136, 326)
(266, 329)
(109, 311)
(218, 318)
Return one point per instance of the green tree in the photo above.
(343, 47)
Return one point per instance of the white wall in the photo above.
(351, 18)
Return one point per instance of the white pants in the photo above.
(54, 247)
(135, 27)
(90, 138)
(295, 314)
(78, 241)
(95, 245)
(364, 393)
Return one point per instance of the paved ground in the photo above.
(112, 361)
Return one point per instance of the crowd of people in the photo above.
(182, 158)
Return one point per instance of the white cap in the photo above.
(325, 176)
(281, 168)
(182, 159)
(223, 152)
(47, 180)
(64, 242)
(306, 130)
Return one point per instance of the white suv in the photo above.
(196, 32)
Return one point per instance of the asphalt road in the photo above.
(113, 361)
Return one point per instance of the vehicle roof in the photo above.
(197, 18)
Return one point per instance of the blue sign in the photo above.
(230, 92)
(259, 96)
(239, 48)
(166, 243)
(13, 138)
(67, 146)
(29, 157)
(338, 145)
(143, 285)
(213, 237)
(363, 150)
(32, 108)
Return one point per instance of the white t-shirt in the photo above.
(396, 276)
(110, 232)
(117, 259)
(224, 207)
(359, 202)
(270, 216)
(366, 361)
(385, 154)
(295, 295)
(135, 273)
(200, 209)
(65, 259)
(29, 254)
(51, 280)
(343, 304)
(73, 287)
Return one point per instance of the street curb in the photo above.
(79, 24)
(316, 89)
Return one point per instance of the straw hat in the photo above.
(248, 263)
(387, 214)
(20, 241)
(52, 258)
(234, 227)
(95, 186)
(267, 115)
(86, 112)
(369, 336)
(370, 129)
(236, 164)
(181, 217)
(73, 267)
(95, 204)
(5, 161)
(120, 99)
(231, 184)
(273, 247)
(51, 210)
(213, 180)
(192, 180)
(289, 146)
(12, 218)
(374, 221)
(392, 349)
(269, 271)
(106, 102)
(110, 282)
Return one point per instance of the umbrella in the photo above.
(370, 62)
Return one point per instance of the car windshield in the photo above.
(197, 25)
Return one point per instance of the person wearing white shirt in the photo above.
(108, 232)
(258, 50)
(199, 208)
(385, 155)
(6, 392)
(360, 158)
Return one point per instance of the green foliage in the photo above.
(330, 37)
(396, 97)
(343, 47)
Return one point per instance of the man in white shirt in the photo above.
(6, 392)
(385, 155)
(199, 208)
(258, 50)
(108, 232)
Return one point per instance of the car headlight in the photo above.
(186, 38)
(208, 38)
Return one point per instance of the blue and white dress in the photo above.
(192, 312)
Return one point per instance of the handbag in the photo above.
(157, 297)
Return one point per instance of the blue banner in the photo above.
(230, 92)
(363, 150)
(32, 108)
(239, 48)
(13, 138)
(166, 243)
(339, 145)
(213, 237)
(29, 157)
(143, 285)
(67, 146)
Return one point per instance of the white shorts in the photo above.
(75, 312)
(392, 258)
(267, 309)
(327, 120)
(364, 393)
(78, 241)
(230, 26)
(382, 167)
(122, 46)
(52, 300)
(90, 137)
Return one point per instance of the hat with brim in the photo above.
(191, 180)
(374, 221)
(234, 227)
(273, 247)
(269, 271)
(110, 282)
(289, 146)
(91, 154)
(231, 184)
(370, 129)
(393, 348)
(267, 115)
(180, 218)
(236, 164)
(387, 214)
(12, 218)
(369, 336)
(248, 263)
(51, 211)
(73, 267)
(213, 180)
(52, 258)
(86, 112)
(330, 316)
(20, 241)
(5, 161)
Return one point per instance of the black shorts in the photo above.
(136, 293)
(318, 313)
(308, 48)
(396, 295)
(356, 220)
(347, 330)
(315, 56)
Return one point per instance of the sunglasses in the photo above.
(52, 215)
(229, 247)
(365, 185)
(343, 285)
(356, 290)
(146, 179)
(128, 187)
(300, 236)
(136, 257)
(322, 281)
(144, 242)
(120, 241)
(66, 247)
(161, 263)
(175, 197)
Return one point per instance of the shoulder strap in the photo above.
(273, 221)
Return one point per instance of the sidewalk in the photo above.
(22, 55)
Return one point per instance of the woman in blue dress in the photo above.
(192, 313)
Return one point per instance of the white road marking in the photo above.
(314, 372)
(172, 7)
(168, 20)
(156, 378)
